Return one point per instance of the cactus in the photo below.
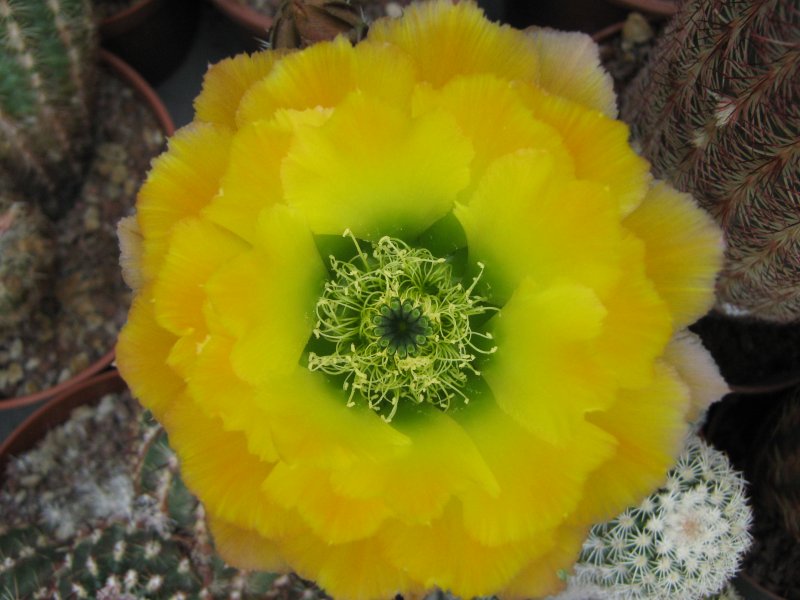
(717, 112)
(26, 258)
(681, 543)
(301, 23)
(156, 547)
(47, 73)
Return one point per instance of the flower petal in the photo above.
(181, 182)
(312, 425)
(684, 250)
(526, 218)
(569, 66)
(550, 332)
(352, 173)
(226, 82)
(196, 250)
(333, 517)
(265, 297)
(252, 181)
(446, 40)
(218, 468)
(598, 146)
(649, 425)
(141, 356)
(511, 127)
(245, 548)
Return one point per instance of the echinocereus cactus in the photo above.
(26, 258)
(47, 71)
(717, 112)
(407, 307)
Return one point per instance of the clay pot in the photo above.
(153, 36)
(129, 76)
(35, 427)
(253, 26)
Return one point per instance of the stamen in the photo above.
(400, 327)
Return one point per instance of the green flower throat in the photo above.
(399, 326)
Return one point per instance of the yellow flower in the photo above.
(406, 308)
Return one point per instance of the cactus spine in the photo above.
(47, 72)
(717, 112)
(26, 258)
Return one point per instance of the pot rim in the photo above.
(130, 77)
(128, 18)
(56, 411)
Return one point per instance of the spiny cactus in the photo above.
(717, 112)
(301, 23)
(147, 541)
(26, 258)
(47, 72)
(681, 543)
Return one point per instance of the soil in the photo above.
(761, 361)
(87, 303)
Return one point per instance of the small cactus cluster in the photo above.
(684, 542)
(47, 73)
(149, 540)
(27, 257)
(717, 113)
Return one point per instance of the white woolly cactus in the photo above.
(683, 542)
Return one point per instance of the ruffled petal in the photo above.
(245, 548)
(217, 391)
(598, 146)
(181, 182)
(445, 41)
(331, 516)
(356, 570)
(638, 324)
(511, 127)
(519, 510)
(550, 332)
(684, 250)
(649, 425)
(252, 181)
(352, 173)
(217, 466)
(442, 554)
(226, 82)
(265, 297)
(569, 66)
(686, 354)
(141, 356)
(527, 219)
(196, 250)
(312, 425)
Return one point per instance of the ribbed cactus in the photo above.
(156, 546)
(47, 72)
(717, 112)
(684, 542)
(26, 258)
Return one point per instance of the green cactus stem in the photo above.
(47, 72)
(717, 112)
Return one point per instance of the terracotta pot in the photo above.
(129, 76)
(55, 412)
(253, 26)
(650, 8)
(153, 36)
